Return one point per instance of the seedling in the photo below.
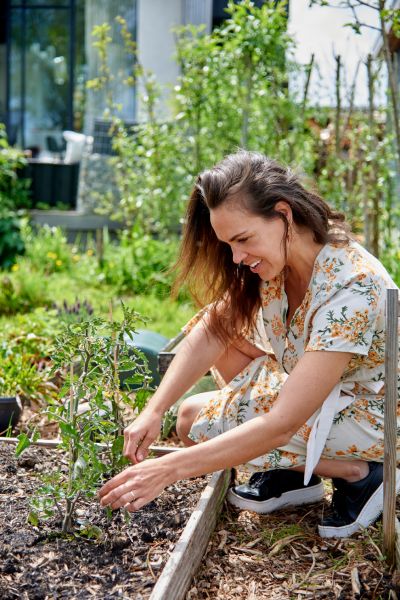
(91, 353)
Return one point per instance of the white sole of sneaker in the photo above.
(308, 495)
(368, 515)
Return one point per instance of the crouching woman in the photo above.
(293, 328)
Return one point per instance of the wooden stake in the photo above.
(309, 69)
(389, 467)
(338, 111)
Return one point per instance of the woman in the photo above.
(294, 329)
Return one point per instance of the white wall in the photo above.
(156, 44)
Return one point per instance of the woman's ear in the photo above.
(284, 208)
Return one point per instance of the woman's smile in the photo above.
(254, 266)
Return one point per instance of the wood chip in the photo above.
(252, 591)
(253, 542)
(248, 550)
(355, 583)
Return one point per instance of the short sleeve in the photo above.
(350, 318)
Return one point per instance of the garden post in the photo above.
(389, 472)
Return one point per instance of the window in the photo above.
(44, 64)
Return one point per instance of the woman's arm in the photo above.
(198, 352)
(305, 390)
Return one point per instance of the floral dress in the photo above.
(343, 311)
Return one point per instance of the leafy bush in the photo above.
(48, 250)
(31, 335)
(22, 290)
(233, 91)
(139, 263)
(11, 242)
(13, 191)
(13, 196)
(26, 344)
(20, 377)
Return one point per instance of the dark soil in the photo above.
(38, 563)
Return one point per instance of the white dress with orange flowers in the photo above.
(343, 311)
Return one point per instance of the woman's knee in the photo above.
(188, 411)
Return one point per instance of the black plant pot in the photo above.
(10, 412)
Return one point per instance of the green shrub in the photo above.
(13, 196)
(20, 377)
(48, 250)
(139, 264)
(11, 242)
(22, 290)
(13, 191)
(31, 335)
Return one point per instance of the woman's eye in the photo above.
(241, 240)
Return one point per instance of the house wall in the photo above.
(156, 44)
(156, 47)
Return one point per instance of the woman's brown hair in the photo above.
(205, 264)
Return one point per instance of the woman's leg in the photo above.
(232, 362)
(350, 470)
(188, 411)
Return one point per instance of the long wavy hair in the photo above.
(205, 263)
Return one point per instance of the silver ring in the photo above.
(133, 496)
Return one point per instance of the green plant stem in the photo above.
(67, 521)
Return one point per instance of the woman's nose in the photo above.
(238, 255)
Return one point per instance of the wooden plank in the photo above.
(166, 354)
(186, 557)
(157, 450)
(390, 428)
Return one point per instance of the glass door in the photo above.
(44, 47)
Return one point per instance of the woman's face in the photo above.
(256, 242)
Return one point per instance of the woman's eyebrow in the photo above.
(238, 235)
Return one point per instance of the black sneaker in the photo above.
(267, 491)
(356, 505)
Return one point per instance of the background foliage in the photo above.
(240, 87)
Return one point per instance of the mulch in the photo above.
(250, 557)
(280, 556)
(123, 562)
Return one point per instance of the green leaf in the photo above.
(118, 445)
(91, 532)
(33, 519)
(67, 429)
(24, 442)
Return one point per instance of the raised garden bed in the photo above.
(122, 557)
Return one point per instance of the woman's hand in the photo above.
(137, 485)
(140, 434)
